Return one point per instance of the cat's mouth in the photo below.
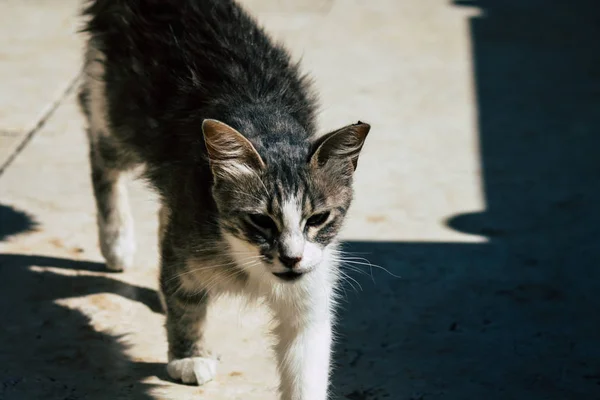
(288, 276)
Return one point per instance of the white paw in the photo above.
(118, 248)
(197, 370)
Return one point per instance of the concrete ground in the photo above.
(478, 191)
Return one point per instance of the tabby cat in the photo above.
(251, 197)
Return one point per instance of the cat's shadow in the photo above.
(429, 331)
(51, 350)
(81, 285)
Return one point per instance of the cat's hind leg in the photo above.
(109, 163)
(115, 223)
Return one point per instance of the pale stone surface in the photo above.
(39, 59)
(477, 187)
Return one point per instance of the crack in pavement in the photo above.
(45, 116)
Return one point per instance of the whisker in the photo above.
(218, 277)
(351, 252)
(200, 269)
(353, 280)
(359, 271)
(209, 267)
(373, 265)
(353, 268)
(345, 280)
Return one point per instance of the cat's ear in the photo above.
(229, 152)
(342, 145)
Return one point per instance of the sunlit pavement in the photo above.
(477, 191)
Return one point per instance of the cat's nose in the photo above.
(290, 262)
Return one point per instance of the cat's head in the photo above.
(280, 210)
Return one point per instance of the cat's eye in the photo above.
(262, 221)
(318, 219)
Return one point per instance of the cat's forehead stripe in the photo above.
(291, 213)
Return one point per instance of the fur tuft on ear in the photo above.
(343, 145)
(229, 152)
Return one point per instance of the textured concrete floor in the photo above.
(478, 187)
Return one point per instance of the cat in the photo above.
(252, 199)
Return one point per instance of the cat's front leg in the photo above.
(189, 360)
(303, 349)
